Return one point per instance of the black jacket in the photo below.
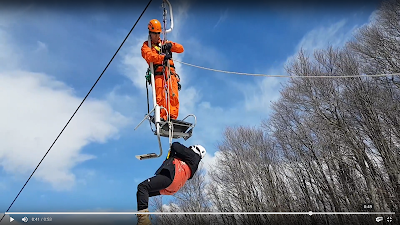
(183, 153)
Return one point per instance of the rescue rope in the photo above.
(168, 82)
(308, 76)
(169, 87)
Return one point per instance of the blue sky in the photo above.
(51, 55)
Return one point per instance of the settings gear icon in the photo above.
(25, 219)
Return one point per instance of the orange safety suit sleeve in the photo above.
(151, 56)
(178, 48)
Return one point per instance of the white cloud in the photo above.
(36, 109)
(374, 15)
(222, 18)
(133, 64)
(180, 14)
(204, 55)
(9, 56)
(171, 207)
(188, 99)
(125, 103)
(209, 162)
(258, 97)
(41, 47)
(322, 37)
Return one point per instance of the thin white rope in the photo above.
(307, 76)
(171, 132)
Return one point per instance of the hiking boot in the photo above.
(143, 219)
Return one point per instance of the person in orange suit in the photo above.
(157, 54)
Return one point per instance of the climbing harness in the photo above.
(173, 129)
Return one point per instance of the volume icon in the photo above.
(25, 219)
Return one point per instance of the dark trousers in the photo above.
(149, 188)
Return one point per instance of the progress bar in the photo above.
(197, 213)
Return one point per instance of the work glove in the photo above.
(167, 56)
(166, 47)
(179, 86)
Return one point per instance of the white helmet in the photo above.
(198, 149)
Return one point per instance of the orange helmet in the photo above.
(154, 26)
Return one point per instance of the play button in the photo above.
(11, 219)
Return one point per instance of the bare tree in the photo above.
(377, 44)
(246, 178)
(334, 134)
(331, 144)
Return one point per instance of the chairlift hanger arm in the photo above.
(171, 16)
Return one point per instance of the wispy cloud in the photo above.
(335, 35)
(124, 103)
(202, 54)
(180, 12)
(133, 65)
(223, 16)
(258, 97)
(209, 162)
(41, 47)
(322, 37)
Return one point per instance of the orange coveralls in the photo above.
(153, 55)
